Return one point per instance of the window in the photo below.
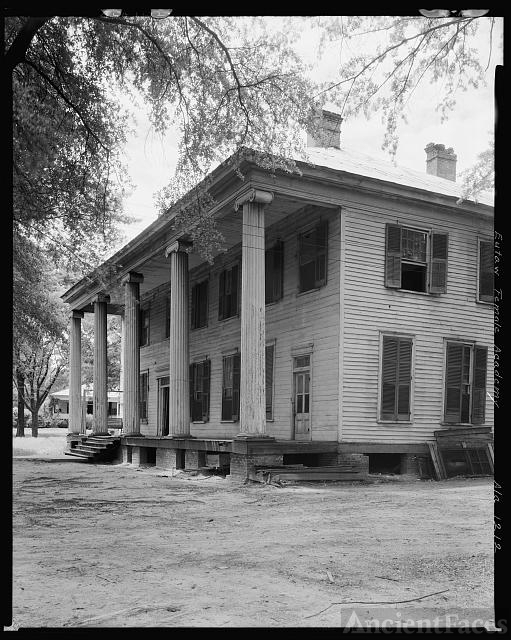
(144, 327)
(231, 387)
(167, 317)
(200, 305)
(199, 390)
(143, 392)
(270, 351)
(396, 378)
(112, 408)
(465, 383)
(312, 248)
(485, 271)
(415, 260)
(228, 293)
(274, 272)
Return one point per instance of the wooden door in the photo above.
(301, 405)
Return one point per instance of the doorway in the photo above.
(302, 397)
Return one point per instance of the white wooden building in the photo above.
(350, 318)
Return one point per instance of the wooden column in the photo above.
(179, 399)
(253, 335)
(75, 371)
(131, 360)
(121, 372)
(100, 422)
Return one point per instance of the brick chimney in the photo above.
(440, 161)
(326, 130)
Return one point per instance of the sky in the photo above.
(151, 159)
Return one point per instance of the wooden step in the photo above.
(77, 454)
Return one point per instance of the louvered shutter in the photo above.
(236, 361)
(404, 379)
(393, 256)
(269, 381)
(206, 366)
(486, 259)
(193, 323)
(227, 388)
(453, 382)
(192, 389)
(389, 378)
(438, 263)
(479, 385)
(234, 290)
(203, 304)
(221, 295)
(321, 237)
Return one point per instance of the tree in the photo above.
(37, 370)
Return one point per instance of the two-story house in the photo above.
(349, 319)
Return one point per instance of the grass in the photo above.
(50, 443)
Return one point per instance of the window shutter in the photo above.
(278, 270)
(389, 378)
(321, 237)
(453, 382)
(404, 379)
(221, 295)
(205, 389)
(192, 389)
(268, 276)
(393, 256)
(194, 307)
(234, 290)
(486, 259)
(479, 385)
(203, 304)
(269, 381)
(226, 384)
(438, 263)
(236, 359)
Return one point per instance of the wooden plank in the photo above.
(437, 461)
(489, 450)
(382, 447)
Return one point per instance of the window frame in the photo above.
(490, 241)
(225, 356)
(204, 417)
(196, 306)
(430, 259)
(318, 282)
(473, 345)
(144, 316)
(221, 294)
(277, 248)
(143, 419)
(404, 336)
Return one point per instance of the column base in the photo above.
(179, 436)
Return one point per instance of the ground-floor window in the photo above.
(231, 387)
(302, 396)
(199, 390)
(465, 383)
(163, 405)
(144, 392)
(396, 378)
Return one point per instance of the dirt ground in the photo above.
(116, 546)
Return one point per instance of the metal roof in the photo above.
(353, 161)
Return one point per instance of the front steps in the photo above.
(95, 448)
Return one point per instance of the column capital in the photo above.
(75, 313)
(179, 245)
(101, 297)
(132, 276)
(253, 195)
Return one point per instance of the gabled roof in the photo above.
(352, 161)
(63, 394)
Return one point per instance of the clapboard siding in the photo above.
(370, 308)
(294, 321)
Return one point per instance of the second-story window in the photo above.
(228, 293)
(415, 260)
(144, 327)
(199, 305)
(274, 272)
(312, 257)
(485, 291)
